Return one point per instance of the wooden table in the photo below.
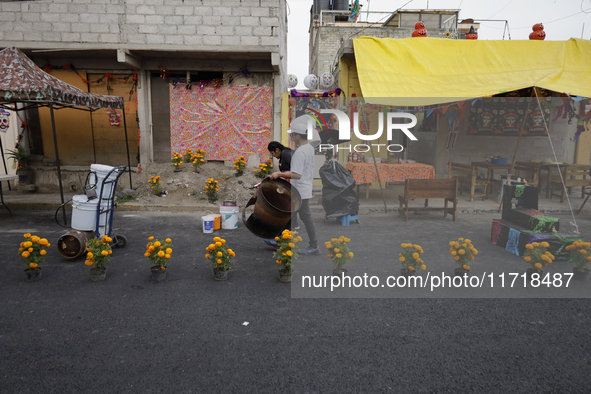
(490, 168)
(2, 179)
(365, 173)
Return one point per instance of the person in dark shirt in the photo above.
(282, 153)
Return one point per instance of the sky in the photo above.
(562, 20)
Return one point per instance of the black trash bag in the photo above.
(338, 191)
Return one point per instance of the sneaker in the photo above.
(311, 251)
(296, 227)
(272, 244)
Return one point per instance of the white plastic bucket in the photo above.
(84, 213)
(207, 222)
(102, 171)
(229, 216)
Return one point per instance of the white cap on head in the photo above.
(300, 126)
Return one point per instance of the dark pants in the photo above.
(306, 217)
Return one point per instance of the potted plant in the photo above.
(188, 155)
(580, 254)
(98, 254)
(198, 158)
(537, 256)
(411, 259)
(463, 253)
(339, 252)
(32, 253)
(20, 156)
(177, 160)
(158, 253)
(156, 185)
(286, 253)
(211, 189)
(264, 169)
(240, 165)
(220, 257)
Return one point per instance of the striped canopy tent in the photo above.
(23, 82)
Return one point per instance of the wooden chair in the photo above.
(528, 168)
(429, 188)
(467, 174)
(575, 175)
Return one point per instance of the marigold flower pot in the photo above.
(98, 274)
(158, 274)
(461, 271)
(339, 271)
(285, 276)
(405, 272)
(580, 275)
(531, 271)
(32, 275)
(219, 274)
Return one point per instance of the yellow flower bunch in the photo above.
(240, 165)
(156, 184)
(159, 252)
(211, 188)
(537, 256)
(580, 253)
(219, 254)
(287, 251)
(264, 168)
(98, 251)
(338, 251)
(198, 158)
(462, 252)
(32, 251)
(177, 159)
(411, 257)
(188, 155)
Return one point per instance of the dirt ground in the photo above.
(187, 186)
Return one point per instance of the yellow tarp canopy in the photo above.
(433, 69)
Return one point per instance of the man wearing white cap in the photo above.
(302, 176)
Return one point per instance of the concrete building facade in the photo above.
(158, 40)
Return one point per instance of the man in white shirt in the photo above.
(302, 177)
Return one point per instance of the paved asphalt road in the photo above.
(128, 334)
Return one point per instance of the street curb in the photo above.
(130, 207)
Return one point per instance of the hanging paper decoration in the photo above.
(329, 93)
(4, 121)
(311, 81)
(114, 117)
(292, 81)
(164, 73)
(538, 32)
(244, 72)
(354, 12)
(326, 80)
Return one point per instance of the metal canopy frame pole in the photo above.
(127, 147)
(57, 159)
(4, 161)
